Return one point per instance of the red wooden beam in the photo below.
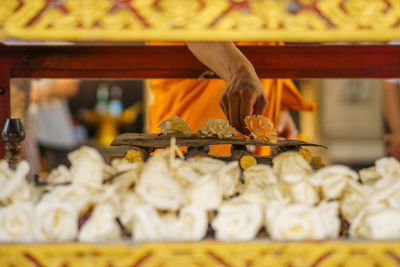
(293, 61)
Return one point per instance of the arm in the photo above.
(392, 114)
(63, 88)
(244, 94)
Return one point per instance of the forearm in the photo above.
(392, 106)
(224, 58)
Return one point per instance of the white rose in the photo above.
(388, 167)
(16, 188)
(122, 165)
(101, 226)
(205, 192)
(183, 173)
(205, 165)
(192, 223)
(369, 175)
(258, 177)
(129, 202)
(174, 125)
(80, 197)
(55, 221)
(5, 172)
(354, 199)
(304, 193)
(328, 212)
(237, 221)
(113, 195)
(147, 225)
(386, 191)
(291, 167)
(16, 222)
(334, 180)
(218, 127)
(376, 222)
(61, 174)
(157, 187)
(300, 222)
(87, 167)
(228, 178)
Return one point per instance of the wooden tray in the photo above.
(161, 141)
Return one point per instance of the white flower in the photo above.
(304, 193)
(113, 195)
(291, 167)
(16, 188)
(147, 225)
(354, 199)
(121, 165)
(183, 172)
(386, 191)
(129, 202)
(192, 223)
(218, 127)
(55, 221)
(258, 177)
(87, 167)
(205, 165)
(334, 180)
(388, 167)
(376, 222)
(261, 197)
(5, 172)
(205, 192)
(16, 222)
(301, 222)
(80, 197)
(101, 226)
(328, 211)
(237, 221)
(369, 175)
(174, 125)
(61, 174)
(126, 173)
(156, 186)
(228, 178)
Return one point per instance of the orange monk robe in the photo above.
(196, 100)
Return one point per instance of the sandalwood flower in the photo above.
(260, 127)
(217, 127)
(174, 125)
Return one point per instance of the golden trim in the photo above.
(240, 20)
(206, 253)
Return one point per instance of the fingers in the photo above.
(234, 111)
(261, 105)
(247, 102)
(224, 105)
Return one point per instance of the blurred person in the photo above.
(391, 90)
(239, 93)
(51, 119)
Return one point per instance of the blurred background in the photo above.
(349, 120)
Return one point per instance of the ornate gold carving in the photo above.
(247, 20)
(206, 253)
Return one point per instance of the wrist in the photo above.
(244, 69)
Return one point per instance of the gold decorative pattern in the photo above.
(240, 20)
(206, 253)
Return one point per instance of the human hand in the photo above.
(243, 96)
(286, 126)
(393, 148)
